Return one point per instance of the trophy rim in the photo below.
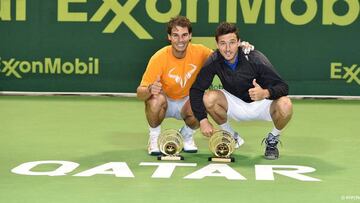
(217, 138)
(170, 136)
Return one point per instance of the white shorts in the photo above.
(242, 111)
(174, 107)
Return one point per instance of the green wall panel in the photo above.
(104, 46)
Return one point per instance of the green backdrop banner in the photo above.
(104, 45)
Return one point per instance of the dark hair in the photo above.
(181, 21)
(226, 28)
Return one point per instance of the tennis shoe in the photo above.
(189, 143)
(153, 148)
(271, 150)
(238, 140)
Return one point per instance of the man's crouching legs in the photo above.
(155, 110)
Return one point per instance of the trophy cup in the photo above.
(222, 145)
(170, 144)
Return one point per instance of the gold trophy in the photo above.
(170, 143)
(222, 145)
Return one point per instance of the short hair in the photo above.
(226, 28)
(181, 21)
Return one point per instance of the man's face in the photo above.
(228, 46)
(179, 38)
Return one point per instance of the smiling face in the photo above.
(228, 46)
(179, 39)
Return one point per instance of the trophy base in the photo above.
(222, 159)
(170, 158)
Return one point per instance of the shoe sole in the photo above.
(155, 153)
(271, 157)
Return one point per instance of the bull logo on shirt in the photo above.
(182, 80)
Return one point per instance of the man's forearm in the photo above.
(197, 104)
(143, 93)
(278, 91)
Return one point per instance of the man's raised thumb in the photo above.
(255, 84)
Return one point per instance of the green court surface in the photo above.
(92, 131)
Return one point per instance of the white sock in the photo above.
(275, 131)
(155, 131)
(186, 131)
(226, 126)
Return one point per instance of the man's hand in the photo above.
(258, 93)
(206, 127)
(156, 87)
(246, 47)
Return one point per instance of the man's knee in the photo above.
(156, 103)
(211, 98)
(186, 110)
(284, 107)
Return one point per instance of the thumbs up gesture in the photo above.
(156, 87)
(255, 83)
(257, 92)
(246, 47)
